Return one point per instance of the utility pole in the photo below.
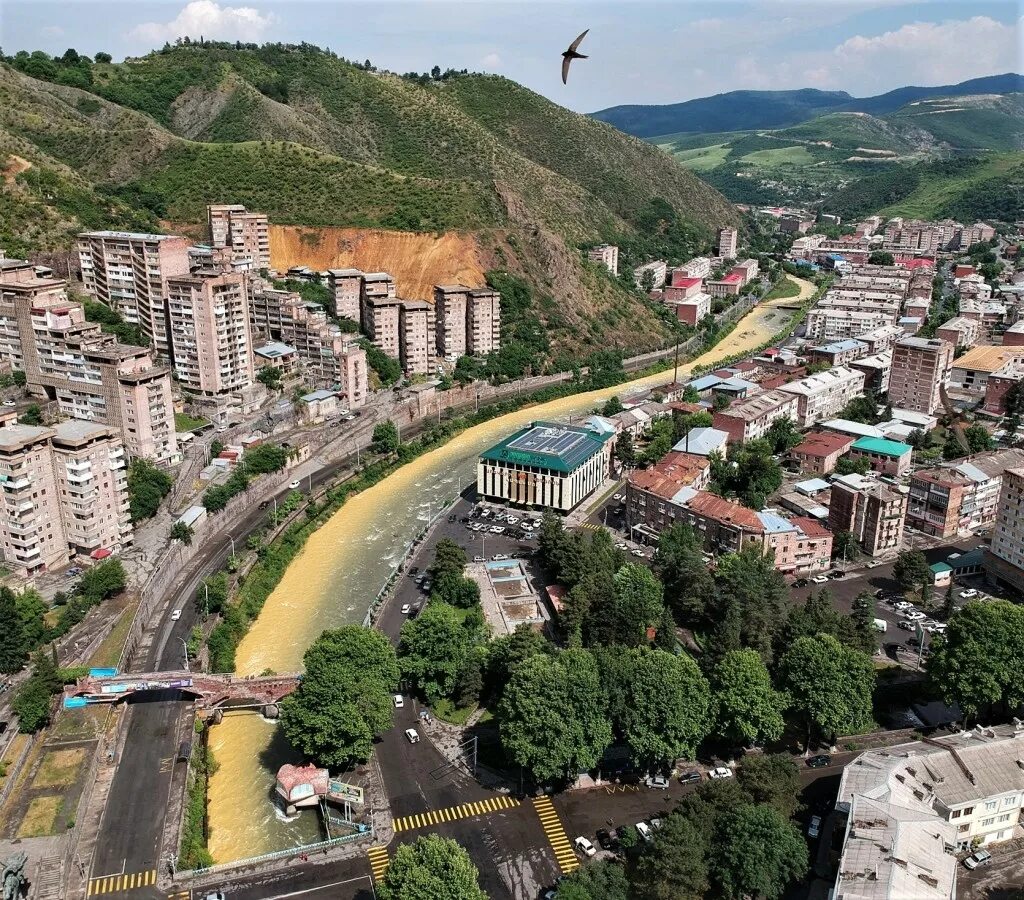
(185, 648)
(675, 368)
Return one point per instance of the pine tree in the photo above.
(13, 651)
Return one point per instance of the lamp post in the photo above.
(184, 647)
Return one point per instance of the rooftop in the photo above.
(822, 381)
(823, 443)
(917, 343)
(79, 431)
(846, 426)
(562, 448)
(15, 437)
(315, 396)
(881, 446)
(673, 472)
(987, 358)
(841, 346)
(721, 510)
(274, 350)
(754, 407)
(702, 441)
(132, 235)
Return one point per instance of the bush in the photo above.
(147, 487)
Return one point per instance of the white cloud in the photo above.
(51, 31)
(491, 61)
(205, 18)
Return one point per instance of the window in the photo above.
(986, 822)
(968, 810)
(955, 814)
(1011, 801)
(1005, 817)
(963, 828)
(990, 805)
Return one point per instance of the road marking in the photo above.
(113, 884)
(555, 831)
(620, 788)
(181, 895)
(452, 813)
(590, 526)
(379, 860)
(166, 764)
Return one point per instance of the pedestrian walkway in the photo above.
(590, 526)
(553, 828)
(453, 813)
(113, 884)
(378, 861)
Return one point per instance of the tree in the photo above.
(344, 698)
(18, 378)
(625, 451)
(448, 557)
(845, 546)
(847, 465)
(667, 707)
(976, 664)
(881, 258)
(830, 685)
(13, 646)
(862, 409)
(978, 441)
(34, 698)
(181, 531)
(32, 610)
(759, 854)
(147, 487)
(212, 595)
(749, 581)
(552, 717)
(747, 708)
(639, 602)
(863, 620)
(505, 653)
(32, 415)
(612, 406)
(783, 435)
(911, 569)
(433, 648)
(432, 868)
(385, 437)
(675, 867)
(103, 57)
(601, 880)
(270, 376)
(679, 562)
(772, 778)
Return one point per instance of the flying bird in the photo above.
(571, 54)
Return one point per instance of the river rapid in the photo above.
(341, 569)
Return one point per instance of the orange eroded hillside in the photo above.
(417, 261)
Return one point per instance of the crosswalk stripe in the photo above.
(555, 832)
(453, 813)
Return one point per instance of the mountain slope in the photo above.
(746, 110)
(315, 141)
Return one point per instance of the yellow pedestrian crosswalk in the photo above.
(378, 861)
(555, 831)
(453, 813)
(112, 884)
(181, 895)
(590, 526)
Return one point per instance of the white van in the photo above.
(879, 625)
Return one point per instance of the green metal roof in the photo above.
(545, 445)
(940, 567)
(881, 446)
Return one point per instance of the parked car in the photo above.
(820, 579)
(901, 605)
(406, 607)
(657, 781)
(644, 830)
(720, 772)
(412, 735)
(690, 777)
(399, 701)
(619, 497)
(606, 839)
(293, 485)
(801, 582)
(10, 403)
(584, 846)
(969, 594)
(637, 552)
(499, 557)
(656, 824)
(621, 546)
(819, 761)
(977, 858)
(906, 626)
(914, 615)
(836, 574)
(814, 829)
(478, 559)
(216, 895)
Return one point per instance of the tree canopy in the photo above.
(759, 854)
(747, 709)
(433, 648)
(431, 868)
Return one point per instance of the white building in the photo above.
(823, 395)
(658, 270)
(607, 255)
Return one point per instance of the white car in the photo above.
(637, 552)
(478, 559)
(399, 701)
(814, 829)
(621, 547)
(9, 403)
(512, 520)
(498, 557)
(902, 605)
(496, 529)
(619, 497)
(176, 615)
(820, 579)
(969, 594)
(412, 735)
(644, 830)
(914, 615)
(584, 846)
(720, 772)
(294, 485)
(406, 609)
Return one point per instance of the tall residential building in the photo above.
(873, 512)
(126, 271)
(381, 322)
(92, 480)
(346, 286)
(727, 243)
(920, 366)
(246, 234)
(607, 255)
(1005, 559)
(210, 338)
(823, 395)
(415, 336)
(451, 303)
(65, 491)
(88, 373)
(483, 322)
(333, 358)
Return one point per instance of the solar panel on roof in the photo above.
(547, 440)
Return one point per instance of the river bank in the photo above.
(341, 567)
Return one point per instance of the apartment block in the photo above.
(877, 369)
(959, 331)
(92, 483)
(920, 366)
(728, 285)
(416, 332)
(881, 339)
(1005, 558)
(751, 418)
(969, 373)
(961, 497)
(823, 395)
(699, 267)
(332, 358)
(873, 512)
(658, 273)
(819, 451)
(346, 286)
(837, 353)
(451, 303)
(691, 310)
(210, 333)
(483, 322)
(88, 373)
(126, 271)
(381, 322)
(607, 255)
(245, 234)
(727, 243)
(825, 324)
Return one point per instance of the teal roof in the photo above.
(561, 448)
(940, 567)
(881, 446)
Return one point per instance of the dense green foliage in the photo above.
(147, 487)
(112, 323)
(34, 699)
(193, 852)
(257, 461)
(431, 868)
(13, 644)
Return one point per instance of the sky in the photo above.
(640, 51)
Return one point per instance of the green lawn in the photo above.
(184, 422)
(784, 156)
(703, 159)
(785, 288)
(446, 711)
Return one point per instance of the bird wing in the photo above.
(578, 41)
(565, 68)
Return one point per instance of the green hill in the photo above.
(314, 140)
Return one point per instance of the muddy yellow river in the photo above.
(340, 571)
